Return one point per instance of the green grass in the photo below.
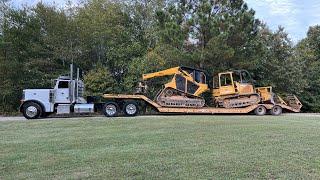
(162, 147)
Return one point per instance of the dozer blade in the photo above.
(293, 102)
(290, 102)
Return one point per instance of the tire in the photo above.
(31, 110)
(260, 110)
(110, 109)
(130, 108)
(276, 110)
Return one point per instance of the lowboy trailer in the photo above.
(129, 105)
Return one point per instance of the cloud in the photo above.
(284, 13)
(281, 7)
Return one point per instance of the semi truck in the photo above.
(182, 95)
(66, 97)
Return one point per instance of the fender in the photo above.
(35, 101)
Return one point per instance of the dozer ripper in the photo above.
(232, 92)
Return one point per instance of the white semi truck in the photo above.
(65, 97)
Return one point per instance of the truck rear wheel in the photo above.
(260, 110)
(130, 108)
(110, 109)
(276, 110)
(31, 110)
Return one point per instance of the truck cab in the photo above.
(64, 98)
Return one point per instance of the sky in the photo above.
(294, 15)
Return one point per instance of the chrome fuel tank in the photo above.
(83, 108)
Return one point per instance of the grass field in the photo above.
(162, 147)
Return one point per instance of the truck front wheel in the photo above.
(110, 109)
(32, 110)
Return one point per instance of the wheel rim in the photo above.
(111, 109)
(131, 109)
(260, 110)
(276, 110)
(31, 111)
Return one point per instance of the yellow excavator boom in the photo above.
(167, 72)
(185, 79)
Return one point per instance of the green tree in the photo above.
(307, 51)
(226, 32)
(277, 65)
(98, 81)
(108, 35)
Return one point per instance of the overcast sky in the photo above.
(294, 15)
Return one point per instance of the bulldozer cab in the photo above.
(234, 82)
(226, 83)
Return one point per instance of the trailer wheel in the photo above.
(31, 110)
(276, 110)
(110, 109)
(260, 110)
(130, 108)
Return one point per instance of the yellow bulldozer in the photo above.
(234, 89)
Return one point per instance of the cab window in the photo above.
(200, 77)
(63, 84)
(237, 77)
(245, 77)
(225, 80)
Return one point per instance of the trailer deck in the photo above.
(203, 110)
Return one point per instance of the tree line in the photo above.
(114, 42)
